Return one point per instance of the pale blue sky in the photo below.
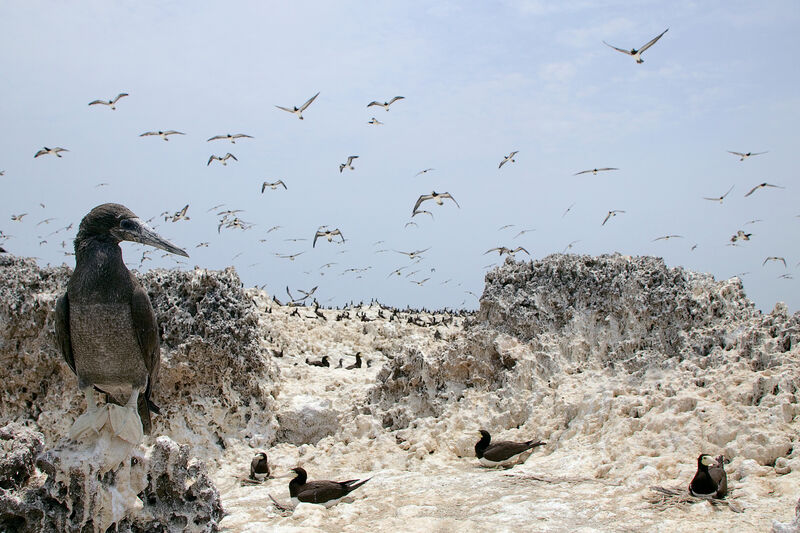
(480, 80)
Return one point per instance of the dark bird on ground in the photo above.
(222, 159)
(594, 171)
(508, 158)
(386, 105)
(761, 186)
(502, 453)
(329, 234)
(162, 134)
(637, 54)
(259, 467)
(229, 137)
(718, 198)
(503, 250)
(299, 110)
(744, 156)
(357, 364)
(272, 185)
(322, 362)
(611, 214)
(710, 480)
(349, 164)
(326, 493)
(111, 103)
(437, 197)
(52, 151)
(776, 259)
(105, 325)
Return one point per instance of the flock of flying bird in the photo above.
(231, 219)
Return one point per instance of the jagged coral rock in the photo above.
(214, 378)
(19, 446)
(158, 489)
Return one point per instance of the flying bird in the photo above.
(504, 250)
(349, 164)
(414, 254)
(567, 210)
(420, 283)
(720, 198)
(523, 232)
(162, 134)
(594, 171)
(179, 215)
(18, 218)
(273, 185)
(386, 105)
(229, 137)
(761, 186)
(509, 157)
(637, 54)
(611, 214)
(424, 171)
(744, 156)
(741, 235)
(420, 212)
(223, 159)
(438, 197)
(323, 492)
(299, 110)
(105, 325)
(111, 103)
(327, 233)
(776, 259)
(290, 257)
(52, 151)
(375, 122)
(667, 237)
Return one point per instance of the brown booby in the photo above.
(327, 493)
(710, 478)
(502, 453)
(357, 364)
(259, 467)
(105, 325)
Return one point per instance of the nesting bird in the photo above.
(105, 325)
(259, 467)
(710, 480)
(327, 493)
(502, 453)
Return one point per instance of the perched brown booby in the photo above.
(357, 364)
(259, 467)
(710, 478)
(105, 324)
(324, 362)
(502, 453)
(327, 493)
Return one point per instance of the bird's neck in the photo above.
(100, 274)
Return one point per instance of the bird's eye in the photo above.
(127, 224)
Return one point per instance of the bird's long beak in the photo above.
(142, 233)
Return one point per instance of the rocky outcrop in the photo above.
(215, 378)
(19, 446)
(609, 348)
(157, 489)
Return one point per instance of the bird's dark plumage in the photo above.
(105, 325)
(502, 451)
(322, 492)
(710, 478)
(259, 467)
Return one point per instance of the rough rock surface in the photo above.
(214, 379)
(791, 527)
(157, 489)
(19, 446)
